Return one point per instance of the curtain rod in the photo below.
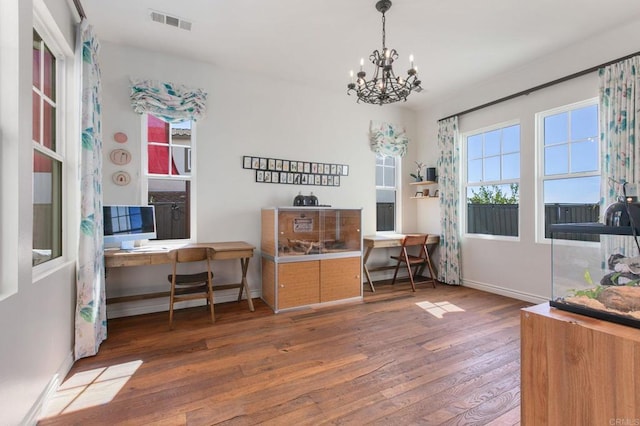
(542, 86)
(79, 8)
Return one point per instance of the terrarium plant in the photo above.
(418, 174)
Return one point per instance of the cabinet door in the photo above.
(269, 282)
(298, 284)
(340, 278)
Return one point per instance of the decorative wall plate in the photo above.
(121, 178)
(120, 157)
(120, 137)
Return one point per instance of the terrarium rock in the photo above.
(613, 260)
(620, 279)
(623, 299)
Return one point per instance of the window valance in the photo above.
(169, 101)
(387, 139)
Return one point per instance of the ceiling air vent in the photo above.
(172, 21)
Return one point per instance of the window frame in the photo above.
(61, 122)
(397, 193)
(465, 184)
(540, 168)
(144, 184)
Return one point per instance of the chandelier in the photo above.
(384, 87)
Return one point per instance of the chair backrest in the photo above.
(414, 240)
(189, 254)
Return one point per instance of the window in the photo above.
(47, 154)
(569, 170)
(492, 180)
(169, 163)
(386, 193)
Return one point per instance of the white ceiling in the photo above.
(455, 42)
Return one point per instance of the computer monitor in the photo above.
(127, 224)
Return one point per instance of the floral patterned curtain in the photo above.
(169, 101)
(90, 317)
(387, 139)
(448, 177)
(620, 154)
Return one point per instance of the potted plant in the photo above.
(418, 174)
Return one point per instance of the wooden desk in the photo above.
(150, 256)
(371, 242)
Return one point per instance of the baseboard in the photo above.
(149, 306)
(514, 294)
(39, 407)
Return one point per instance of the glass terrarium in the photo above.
(309, 231)
(600, 280)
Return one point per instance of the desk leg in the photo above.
(366, 270)
(244, 263)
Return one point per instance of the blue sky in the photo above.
(570, 146)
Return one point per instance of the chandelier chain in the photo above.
(384, 32)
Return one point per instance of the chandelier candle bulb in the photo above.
(411, 61)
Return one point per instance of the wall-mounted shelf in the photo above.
(424, 183)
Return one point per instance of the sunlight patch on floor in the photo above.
(90, 388)
(438, 309)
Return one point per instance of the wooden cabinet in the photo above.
(310, 282)
(578, 370)
(310, 256)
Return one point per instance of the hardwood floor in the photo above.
(386, 361)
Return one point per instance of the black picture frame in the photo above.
(246, 162)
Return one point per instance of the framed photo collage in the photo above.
(272, 170)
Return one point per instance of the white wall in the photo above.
(36, 312)
(519, 269)
(246, 115)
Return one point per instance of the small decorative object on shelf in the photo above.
(418, 174)
(431, 174)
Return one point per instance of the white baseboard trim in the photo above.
(514, 294)
(149, 306)
(39, 407)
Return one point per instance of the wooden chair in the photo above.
(190, 286)
(419, 262)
